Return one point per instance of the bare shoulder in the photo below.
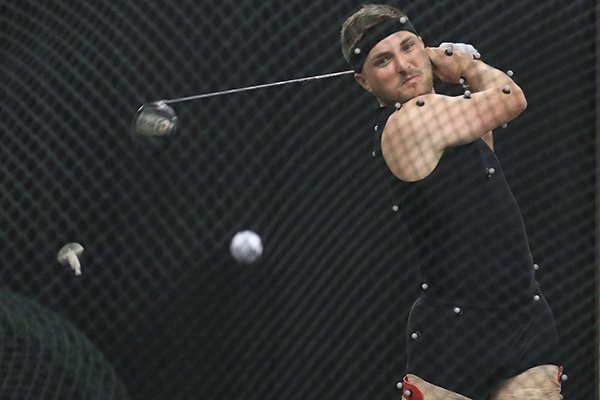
(416, 136)
(408, 143)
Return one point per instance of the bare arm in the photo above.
(416, 136)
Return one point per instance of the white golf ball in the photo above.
(246, 247)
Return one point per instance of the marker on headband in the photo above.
(374, 35)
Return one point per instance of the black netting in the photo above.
(323, 314)
(46, 357)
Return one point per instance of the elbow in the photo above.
(521, 101)
(518, 101)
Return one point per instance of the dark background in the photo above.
(322, 315)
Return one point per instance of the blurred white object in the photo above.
(246, 247)
(69, 255)
(464, 47)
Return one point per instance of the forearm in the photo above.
(481, 76)
(478, 75)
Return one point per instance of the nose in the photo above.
(402, 65)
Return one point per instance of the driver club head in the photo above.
(155, 124)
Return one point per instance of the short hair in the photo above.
(358, 23)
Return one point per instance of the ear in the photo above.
(358, 77)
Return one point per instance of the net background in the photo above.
(323, 314)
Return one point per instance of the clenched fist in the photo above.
(449, 66)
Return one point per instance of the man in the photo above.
(481, 328)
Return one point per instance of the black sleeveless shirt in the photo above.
(467, 227)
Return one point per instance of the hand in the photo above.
(449, 66)
(464, 47)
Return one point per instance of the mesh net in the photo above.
(323, 313)
(46, 357)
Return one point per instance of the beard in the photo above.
(404, 92)
(407, 91)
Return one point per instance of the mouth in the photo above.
(409, 80)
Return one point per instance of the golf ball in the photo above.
(246, 247)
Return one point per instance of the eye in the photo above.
(407, 46)
(382, 61)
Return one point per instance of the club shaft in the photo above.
(262, 86)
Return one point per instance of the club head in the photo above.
(155, 124)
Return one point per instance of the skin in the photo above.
(400, 69)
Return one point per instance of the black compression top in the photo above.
(467, 227)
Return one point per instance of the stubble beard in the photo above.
(406, 93)
(425, 86)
